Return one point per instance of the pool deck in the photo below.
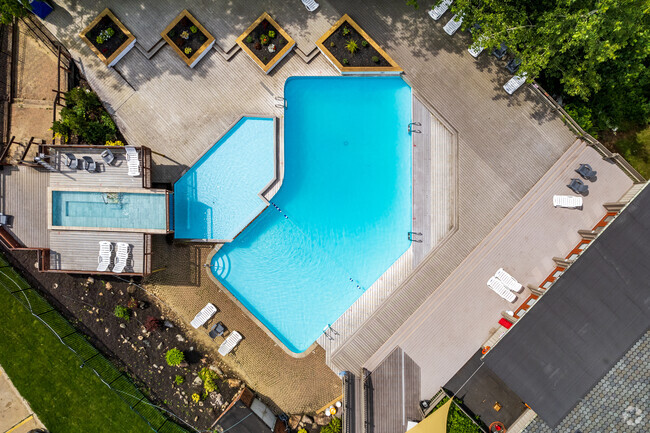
(500, 148)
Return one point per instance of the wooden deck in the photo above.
(78, 250)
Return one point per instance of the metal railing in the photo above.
(156, 417)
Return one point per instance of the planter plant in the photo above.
(188, 38)
(266, 42)
(108, 38)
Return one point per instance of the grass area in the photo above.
(66, 398)
(457, 421)
(636, 150)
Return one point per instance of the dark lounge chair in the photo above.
(586, 172)
(71, 161)
(217, 330)
(5, 220)
(578, 187)
(500, 51)
(513, 65)
(91, 165)
(108, 157)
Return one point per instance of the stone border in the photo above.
(250, 315)
(121, 51)
(279, 55)
(320, 43)
(198, 54)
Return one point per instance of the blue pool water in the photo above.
(109, 210)
(218, 196)
(342, 215)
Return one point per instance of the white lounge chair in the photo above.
(203, 316)
(230, 343)
(567, 201)
(104, 258)
(453, 24)
(500, 289)
(121, 257)
(132, 160)
(514, 83)
(477, 48)
(311, 5)
(440, 10)
(510, 281)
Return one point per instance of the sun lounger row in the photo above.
(122, 256)
(203, 316)
(439, 10)
(500, 289)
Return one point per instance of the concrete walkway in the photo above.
(15, 414)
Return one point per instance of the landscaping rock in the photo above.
(168, 324)
(216, 370)
(294, 421)
(160, 345)
(183, 364)
(130, 289)
(306, 419)
(215, 399)
(109, 286)
(197, 381)
(140, 337)
(90, 280)
(322, 419)
(180, 338)
(122, 325)
(234, 383)
(55, 285)
(143, 305)
(146, 343)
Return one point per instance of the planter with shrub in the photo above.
(266, 42)
(188, 38)
(108, 38)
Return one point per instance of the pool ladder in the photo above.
(328, 331)
(280, 102)
(411, 234)
(410, 127)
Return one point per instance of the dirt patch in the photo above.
(89, 303)
(364, 56)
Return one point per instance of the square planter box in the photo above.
(186, 33)
(257, 40)
(369, 58)
(108, 38)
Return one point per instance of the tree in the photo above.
(85, 117)
(595, 52)
(13, 8)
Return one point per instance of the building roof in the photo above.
(585, 323)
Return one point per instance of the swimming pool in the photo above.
(342, 215)
(219, 195)
(119, 210)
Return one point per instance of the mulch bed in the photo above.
(89, 304)
(260, 49)
(195, 40)
(362, 57)
(113, 43)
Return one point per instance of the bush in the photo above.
(174, 357)
(352, 46)
(208, 377)
(346, 31)
(114, 143)
(457, 421)
(345, 61)
(196, 398)
(264, 39)
(332, 44)
(122, 312)
(583, 116)
(194, 29)
(210, 386)
(249, 40)
(152, 324)
(187, 51)
(333, 427)
(179, 380)
(375, 59)
(302, 430)
(85, 117)
(271, 34)
(132, 303)
(364, 43)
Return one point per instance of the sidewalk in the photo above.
(15, 414)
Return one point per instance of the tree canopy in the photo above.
(596, 53)
(13, 8)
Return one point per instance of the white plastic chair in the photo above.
(104, 258)
(132, 160)
(500, 289)
(452, 25)
(203, 316)
(439, 10)
(311, 5)
(477, 48)
(567, 201)
(514, 83)
(510, 281)
(121, 257)
(230, 343)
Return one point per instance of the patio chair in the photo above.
(311, 5)
(578, 187)
(204, 315)
(217, 330)
(500, 51)
(230, 343)
(453, 24)
(500, 289)
(440, 10)
(514, 83)
(510, 281)
(71, 161)
(132, 160)
(586, 172)
(108, 157)
(104, 258)
(567, 201)
(5, 220)
(477, 48)
(90, 164)
(513, 65)
(121, 257)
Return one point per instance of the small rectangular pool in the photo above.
(118, 210)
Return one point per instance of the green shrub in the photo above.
(583, 116)
(364, 43)
(206, 373)
(179, 380)
(332, 44)
(345, 61)
(84, 117)
(302, 430)
(375, 59)
(264, 39)
(271, 34)
(174, 357)
(249, 40)
(210, 386)
(457, 421)
(196, 398)
(333, 427)
(352, 46)
(346, 31)
(194, 29)
(110, 32)
(122, 312)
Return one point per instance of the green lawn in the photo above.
(636, 149)
(66, 398)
